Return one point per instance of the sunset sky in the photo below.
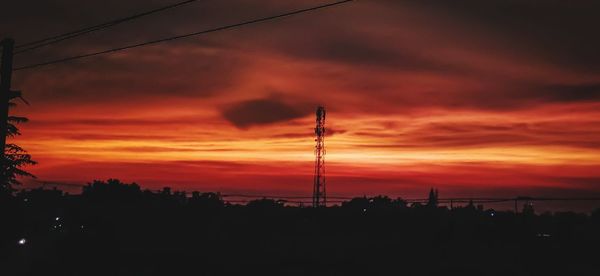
(476, 98)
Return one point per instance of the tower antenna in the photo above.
(319, 194)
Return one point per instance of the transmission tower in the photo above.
(319, 195)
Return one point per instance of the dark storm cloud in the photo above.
(494, 96)
(353, 47)
(526, 96)
(572, 93)
(355, 36)
(519, 95)
(261, 111)
(321, 39)
(561, 32)
(118, 122)
(155, 71)
(22, 19)
(187, 72)
(578, 134)
(22, 22)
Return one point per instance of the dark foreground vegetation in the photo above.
(118, 229)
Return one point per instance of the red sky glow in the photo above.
(479, 98)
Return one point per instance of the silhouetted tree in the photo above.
(358, 203)
(596, 215)
(528, 209)
(384, 202)
(112, 189)
(164, 230)
(400, 203)
(166, 192)
(180, 196)
(41, 196)
(433, 198)
(471, 205)
(381, 202)
(378, 202)
(416, 205)
(265, 203)
(206, 200)
(15, 157)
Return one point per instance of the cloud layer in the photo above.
(498, 87)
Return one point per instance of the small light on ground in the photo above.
(22, 241)
(57, 218)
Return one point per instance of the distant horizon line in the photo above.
(339, 198)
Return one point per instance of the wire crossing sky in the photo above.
(72, 34)
(212, 30)
(482, 99)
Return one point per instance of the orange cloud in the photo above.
(418, 95)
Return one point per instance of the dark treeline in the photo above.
(113, 228)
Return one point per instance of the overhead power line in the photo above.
(339, 199)
(61, 37)
(277, 196)
(253, 21)
(53, 183)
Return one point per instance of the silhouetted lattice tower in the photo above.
(319, 194)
